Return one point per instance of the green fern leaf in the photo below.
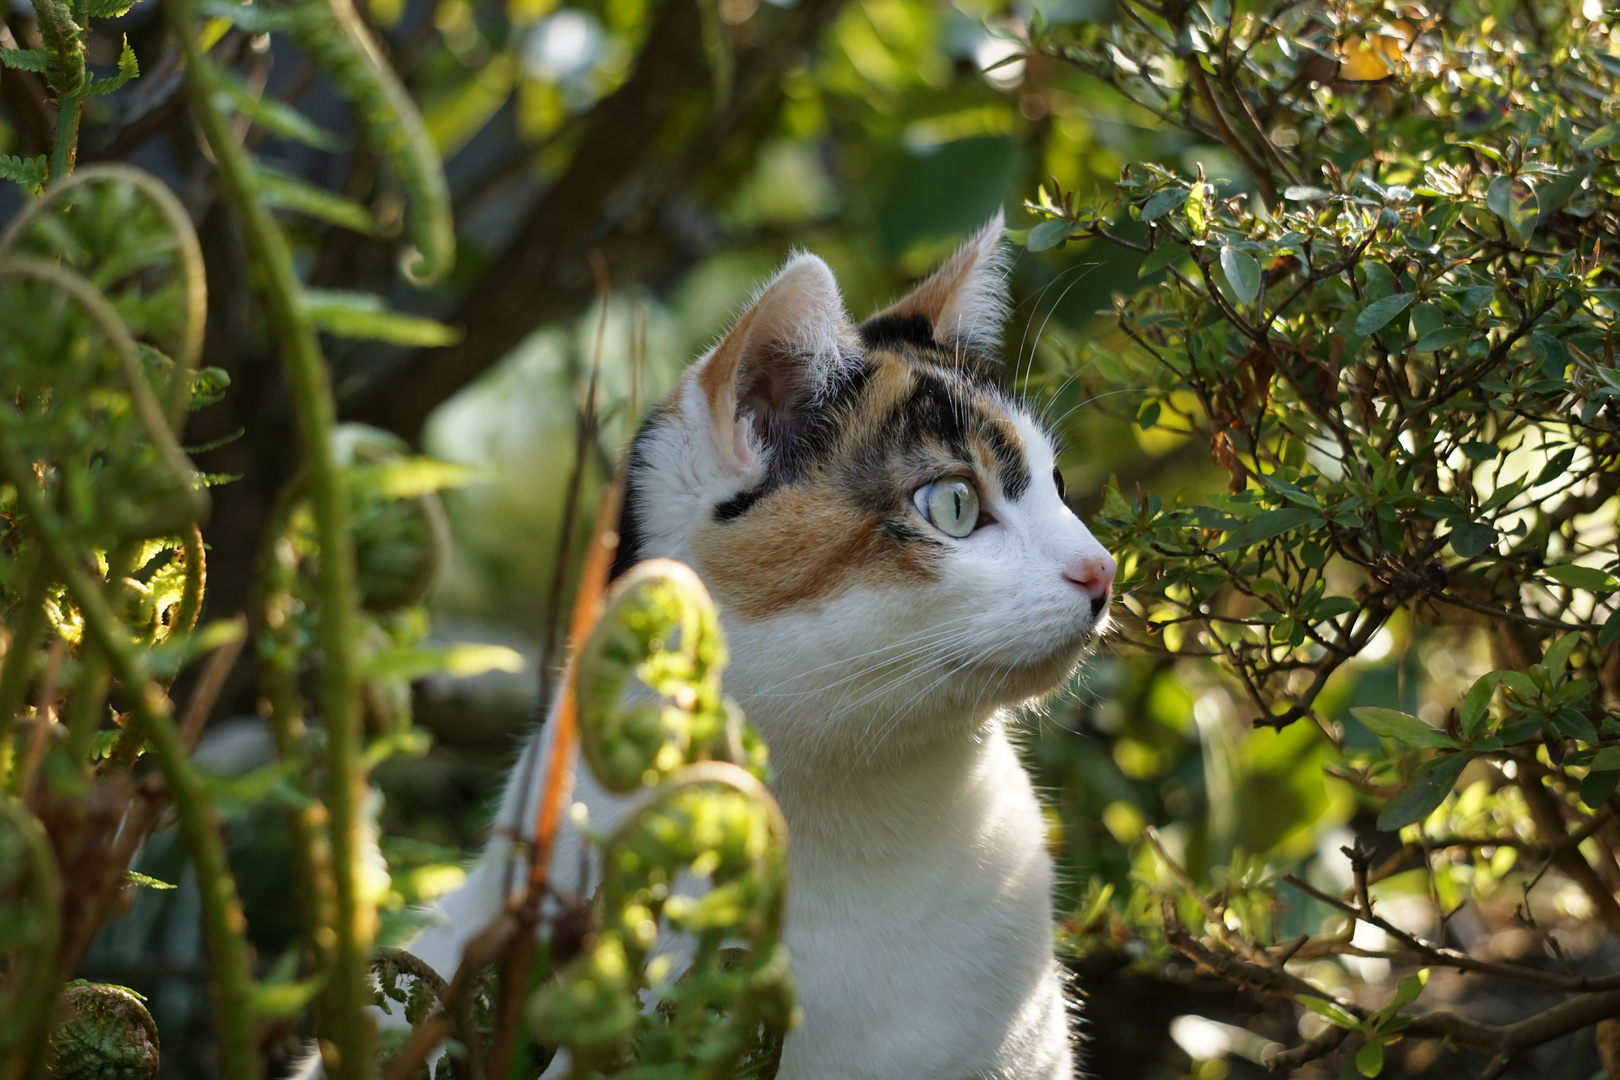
(110, 9)
(31, 173)
(360, 315)
(24, 59)
(276, 117)
(290, 193)
(127, 70)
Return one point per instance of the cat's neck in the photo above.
(881, 806)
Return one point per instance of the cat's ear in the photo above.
(964, 302)
(760, 381)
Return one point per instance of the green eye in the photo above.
(951, 506)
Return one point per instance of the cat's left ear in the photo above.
(964, 302)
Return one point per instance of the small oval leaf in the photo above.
(1242, 273)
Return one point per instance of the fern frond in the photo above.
(127, 70)
(335, 34)
(24, 59)
(31, 173)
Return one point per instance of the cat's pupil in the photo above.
(1057, 478)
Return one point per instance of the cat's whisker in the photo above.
(1095, 398)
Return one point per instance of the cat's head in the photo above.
(882, 525)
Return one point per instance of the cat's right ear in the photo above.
(759, 382)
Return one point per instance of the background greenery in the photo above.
(623, 175)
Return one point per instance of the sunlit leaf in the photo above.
(1378, 314)
(1242, 273)
(1514, 201)
(1401, 727)
(1426, 790)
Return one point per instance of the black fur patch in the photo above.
(881, 330)
(628, 552)
(742, 502)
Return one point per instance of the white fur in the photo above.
(919, 918)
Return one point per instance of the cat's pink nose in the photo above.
(1094, 573)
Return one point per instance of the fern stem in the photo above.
(223, 923)
(37, 977)
(349, 1034)
(25, 630)
(67, 137)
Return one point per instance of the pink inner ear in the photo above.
(768, 368)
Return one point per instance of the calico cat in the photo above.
(883, 528)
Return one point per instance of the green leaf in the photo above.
(1407, 991)
(1370, 1059)
(1048, 234)
(273, 1001)
(1162, 203)
(1242, 273)
(1377, 315)
(1472, 538)
(1267, 525)
(110, 9)
(1596, 787)
(1557, 654)
(1603, 136)
(31, 173)
(1444, 338)
(1473, 714)
(1480, 451)
(1329, 1010)
(290, 193)
(1587, 578)
(1160, 257)
(127, 70)
(1422, 794)
(276, 117)
(458, 661)
(1610, 632)
(1514, 201)
(1604, 759)
(24, 59)
(1195, 210)
(361, 315)
(408, 477)
(254, 18)
(133, 878)
(1402, 727)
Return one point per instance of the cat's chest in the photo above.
(935, 953)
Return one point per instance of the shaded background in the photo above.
(625, 173)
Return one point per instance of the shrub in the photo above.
(1393, 329)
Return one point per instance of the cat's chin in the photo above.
(1042, 677)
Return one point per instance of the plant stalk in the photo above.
(348, 1038)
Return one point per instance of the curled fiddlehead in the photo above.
(703, 818)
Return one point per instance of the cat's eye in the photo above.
(951, 505)
(1057, 478)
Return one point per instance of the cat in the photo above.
(884, 530)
